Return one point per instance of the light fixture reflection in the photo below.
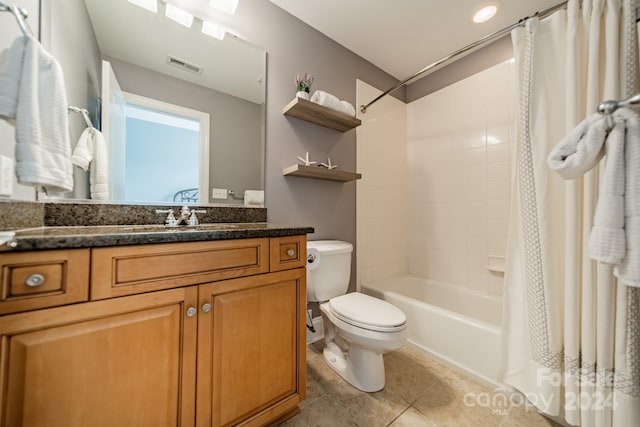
(151, 5)
(213, 30)
(226, 6)
(485, 13)
(179, 15)
(492, 140)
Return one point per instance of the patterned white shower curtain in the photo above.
(571, 333)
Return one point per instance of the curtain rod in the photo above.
(467, 48)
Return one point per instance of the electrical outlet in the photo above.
(6, 176)
(219, 193)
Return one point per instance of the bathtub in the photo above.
(455, 324)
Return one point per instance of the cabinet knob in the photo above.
(34, 280)
(291, 252)
(206, 307)
(191, 311)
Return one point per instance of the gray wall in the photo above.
(481, 59)
(9, 32)
(236, 152)
(68, 35)
(293, 47)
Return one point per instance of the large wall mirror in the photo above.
(183, 113)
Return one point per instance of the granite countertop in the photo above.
(118, 235)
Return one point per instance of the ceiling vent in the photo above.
(181, 63)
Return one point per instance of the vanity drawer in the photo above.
(33, 280)
(288, 252)
(126, 270)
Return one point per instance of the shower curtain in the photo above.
(571, 333)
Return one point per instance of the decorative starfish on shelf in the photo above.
(306, 160)
(328, 165)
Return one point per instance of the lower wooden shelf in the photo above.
(318, 172)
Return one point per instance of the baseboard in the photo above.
(318, 334)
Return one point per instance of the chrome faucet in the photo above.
(187, 216)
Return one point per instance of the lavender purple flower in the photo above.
(303, 82)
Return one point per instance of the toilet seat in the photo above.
(367, 312)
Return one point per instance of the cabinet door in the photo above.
(251, 354)
(123, 362)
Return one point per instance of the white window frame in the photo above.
(199, 116)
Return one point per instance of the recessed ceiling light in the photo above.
(227, 6)
(485, 13)
(213, 30)
(151, 5)
(179, 15)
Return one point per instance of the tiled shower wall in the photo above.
(381, 194)
(434, 197)
(458, 163)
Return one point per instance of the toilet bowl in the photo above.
(358, 328)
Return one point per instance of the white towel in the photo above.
(331, 101)
(43, 150)
(91, 153)
(254, 198)
(348, 108)
(10, 70)
(615, 237)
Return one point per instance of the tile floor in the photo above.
(420, 391)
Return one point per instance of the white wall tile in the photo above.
(477, 174)
(456, 173)
(476, 244)
(475, 157)
(495, 283)
(497, 208)
(498, 171)
(498, 190)
(497, 152)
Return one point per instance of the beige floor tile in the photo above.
(412, 418)
(328, 411)
(455, 401)
(314, 389)
(407, 376)
(375, 409)
(522, 418)
(420, 391)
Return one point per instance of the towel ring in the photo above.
(20, 14)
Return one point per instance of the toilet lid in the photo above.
(367, 312)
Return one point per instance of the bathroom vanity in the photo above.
(126, 326)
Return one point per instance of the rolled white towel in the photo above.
(615, 236)
(581, 149)
(254, 198)
(348, 108)
(331, 101)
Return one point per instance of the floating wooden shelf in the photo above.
(320, 115)
(320, 173)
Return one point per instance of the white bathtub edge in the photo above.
(458, 367)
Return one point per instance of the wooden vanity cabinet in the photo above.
(251, 363)
(121, 362)
(220, 353)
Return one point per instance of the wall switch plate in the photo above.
(6, 176)
(219, 193)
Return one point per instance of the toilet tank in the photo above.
(328, 269)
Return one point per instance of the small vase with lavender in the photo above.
(303, 85)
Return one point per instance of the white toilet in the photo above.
(358, 328)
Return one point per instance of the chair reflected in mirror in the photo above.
(189, 195)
